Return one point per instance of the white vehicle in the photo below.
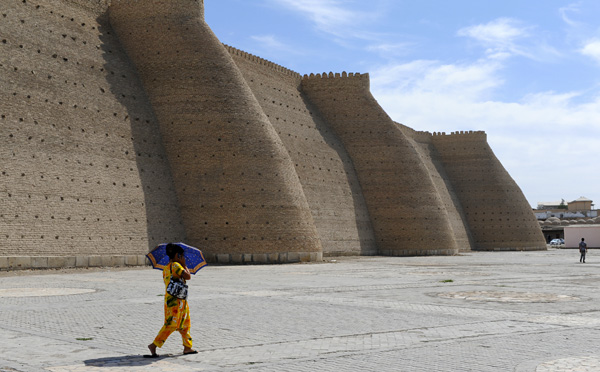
(557, 242)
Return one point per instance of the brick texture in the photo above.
(83, 168)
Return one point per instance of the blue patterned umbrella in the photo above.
(193, 257)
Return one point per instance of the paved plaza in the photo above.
(479, 311)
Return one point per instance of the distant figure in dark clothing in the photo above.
(582, 250)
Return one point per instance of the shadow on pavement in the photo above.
(124, 361)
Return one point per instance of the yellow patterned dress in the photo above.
(177, 312)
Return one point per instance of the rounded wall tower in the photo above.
(498, 215)
(408, 215)
(239, 194)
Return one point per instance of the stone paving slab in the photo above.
(480, 311)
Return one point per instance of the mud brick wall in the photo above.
(240, 197)
(323, 165)
(497, 213)
(83, 170)
(126, 123)
(407, 213)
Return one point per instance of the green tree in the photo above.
(562, 204)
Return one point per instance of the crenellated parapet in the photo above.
(461, 134)
(460, 137)
(336, 75)
(417, 135)
(261, 61)
(344, 80)
(443, 136)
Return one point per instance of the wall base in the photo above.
(264, 258)
(9, 263)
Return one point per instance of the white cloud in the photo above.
(268, 41)
(571, 8)
(391, 48)
(328, 15)
(472, 81)
(592, 49)
(504, 37)
(271, 44)
(501, 32)
(343, 19)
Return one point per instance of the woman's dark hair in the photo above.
(173, 249)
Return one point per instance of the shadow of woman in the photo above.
(124, 361)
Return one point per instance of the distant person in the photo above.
(177, 311)
(582, 250)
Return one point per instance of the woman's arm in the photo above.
(186, 272)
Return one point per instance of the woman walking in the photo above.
(177, 311)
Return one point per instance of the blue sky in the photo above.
(526, 72)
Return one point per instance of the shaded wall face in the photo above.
(406, 210)
(497, 213)
(237, 187)
(323, 166)
(422, 142)
(83, 170)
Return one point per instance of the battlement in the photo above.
(461, 133)
(347, 82)
(419, 136)
(336, 75)
(261, 61)
(443, 136)
(460, 136)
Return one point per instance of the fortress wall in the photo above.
(423, 144)
(323, 166)
(239, 194)
(243, 158)
(83, 174)
(496, 210)
(408, 215)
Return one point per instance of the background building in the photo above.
(554, 216)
